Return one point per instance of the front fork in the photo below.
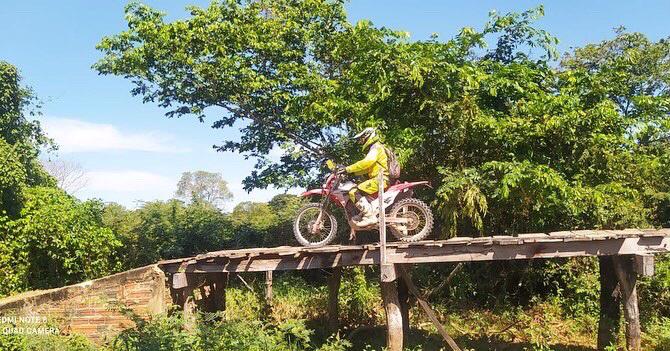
(318, 223)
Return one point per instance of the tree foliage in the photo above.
(512, 142)
(20, 141)
(167, 229)
(60, 240)
(202, 186)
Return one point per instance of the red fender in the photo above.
(405, 185)
(312, 192)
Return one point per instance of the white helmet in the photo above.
(366, 135)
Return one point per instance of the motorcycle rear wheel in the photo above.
(421, 216)
(305, 219)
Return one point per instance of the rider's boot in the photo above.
(368, 215)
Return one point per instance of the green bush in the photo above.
(47, 342)
(360, 298)
(61, 240)
(172, 333)
(654, 291)
(658, 335)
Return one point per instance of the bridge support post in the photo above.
(212, 288)
(403, 298)
(268, 292)
(610, 304)
(618, 285)
(218, 291)
(394, 318)
(334, 282)
(624, 266)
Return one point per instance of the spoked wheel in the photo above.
(419, 220)
(310, 233)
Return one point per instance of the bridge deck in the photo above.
(458, 249)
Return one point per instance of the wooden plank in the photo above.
(484, 240)
(561, 234)
(505, 240)
(655, 232)
(446, 253)
(458, 240)
(538, 237)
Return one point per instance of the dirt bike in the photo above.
(407, 218)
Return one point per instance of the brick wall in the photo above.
(93, 308)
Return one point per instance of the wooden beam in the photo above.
(334, 282)
(610, 304)
(446, 282)
(395, 329)
(429, 311)
(624, 268)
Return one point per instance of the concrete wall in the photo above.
(93, 308)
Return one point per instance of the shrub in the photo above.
(170, 333)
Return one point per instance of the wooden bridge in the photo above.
(624, 254)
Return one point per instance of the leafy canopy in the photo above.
(20, 141)
(201, 186)
(512, 141)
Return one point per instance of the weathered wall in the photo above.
(93, 308)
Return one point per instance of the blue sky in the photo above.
(132, 152)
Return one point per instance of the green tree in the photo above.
(266, 63)
(203, 228)
(201, 186)
(253, 222)
(167, 229)
(20, 141)
(12, 180)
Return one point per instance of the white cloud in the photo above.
(73, 135)
(128, 186)
(126, 181)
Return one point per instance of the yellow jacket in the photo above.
(373, 162)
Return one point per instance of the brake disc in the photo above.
(413, 220)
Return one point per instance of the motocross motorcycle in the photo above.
(407, 218)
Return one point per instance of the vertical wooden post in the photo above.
(213, 292)
(219, 292)
(403, 298)
(382, 219)
(610, 304)
(334, 282)
(624, 266)
(392, 307)
(268, 291)
(394, 335)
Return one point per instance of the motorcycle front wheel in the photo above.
(419, 220)
(308, 232)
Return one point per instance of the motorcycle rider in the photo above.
(374, 162)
